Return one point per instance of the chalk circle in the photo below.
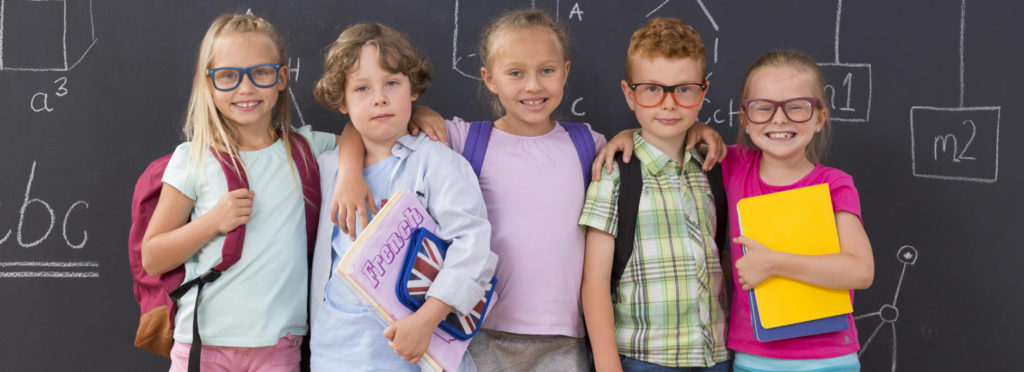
(889, 313)
(907, 255)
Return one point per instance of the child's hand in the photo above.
(703, 134)
(756, 265)
(351, 197)
(410, 336)
(622, 142)
(430, 122)
(232, 210)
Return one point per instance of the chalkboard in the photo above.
(921, 93)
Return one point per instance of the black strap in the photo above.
(196, 351)
(722, 226)
(631, 184)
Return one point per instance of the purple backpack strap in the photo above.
(584, 143)
(476, 144)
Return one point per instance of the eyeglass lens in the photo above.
(230, 78)
(685, 95)
(798, 110)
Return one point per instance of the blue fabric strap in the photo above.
(476, 144)
(480, 135)
(584, 143)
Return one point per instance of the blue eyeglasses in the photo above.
(228, 78)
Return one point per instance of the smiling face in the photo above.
(668, 122)
(247, 105)
(780, 138)
(527, 72)
(378, 102)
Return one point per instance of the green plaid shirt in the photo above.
(671, 293)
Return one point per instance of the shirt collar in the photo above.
(654, 160)
(407, 144)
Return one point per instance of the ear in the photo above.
(488, 79)
(282, 81)
(342, 109)
(628, 95)
(415, 96)
(822, 119)
(565, 77)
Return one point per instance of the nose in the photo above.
(380, 98)
(779, 116)
(668, 101)
(532, 83)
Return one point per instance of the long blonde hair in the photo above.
(204, 125)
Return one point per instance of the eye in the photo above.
(684, 89)
(391, 83)
(227, 74)
(648, 88)
(361, 88)
(515, 73)
(548, 70)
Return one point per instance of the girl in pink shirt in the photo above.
(784, 126)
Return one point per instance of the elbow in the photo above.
(148, 264)
(864, 279)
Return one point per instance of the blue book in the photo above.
(810, 327)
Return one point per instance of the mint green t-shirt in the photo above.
(262, 297)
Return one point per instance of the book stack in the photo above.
(798, 221)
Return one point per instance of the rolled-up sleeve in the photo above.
(458, 206)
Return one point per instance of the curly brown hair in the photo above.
(668, 38)
(396, 55)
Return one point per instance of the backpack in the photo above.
(157, 295)
(630, 187)
(480, 135)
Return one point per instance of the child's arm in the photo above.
(351, 193)
(852, 268)
(410, 336)
(171, 239)
(597, 301)
(711, 143)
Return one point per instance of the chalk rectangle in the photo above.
(955, 143)
(848, 91)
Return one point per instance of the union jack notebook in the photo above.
(423, 261)
(373, 264)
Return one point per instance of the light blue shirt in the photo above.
(348, 335)
(261, 297)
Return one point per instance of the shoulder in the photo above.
(458, 130)
(328, 161)
(835, 177)
(599, 139)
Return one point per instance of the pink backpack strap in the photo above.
(309, 175)
(233, 241)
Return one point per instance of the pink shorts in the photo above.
(282, 357)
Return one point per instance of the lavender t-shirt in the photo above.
(741, 174)
(533, 188)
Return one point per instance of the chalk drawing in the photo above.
(52, 269)
(956, 143)
(64, 64)
(889, 313)
(847, 85)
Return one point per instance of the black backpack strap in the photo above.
(195, 352)
(722, 226)
(630, 187)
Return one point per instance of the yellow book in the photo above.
(799, 221)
